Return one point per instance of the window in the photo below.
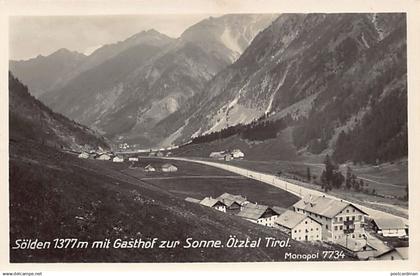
(347, 211)
(354, 210)
(341, 227)
(326, 226)
(341, 218)
(316, 229)
(353, 218)
(335, 228)
(360, 217)
(295, 231)
(312, 229)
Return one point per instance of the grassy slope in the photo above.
(49, 189)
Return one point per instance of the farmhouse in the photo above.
(133, 159)
(83, 155)
(300, 227)
(149, 168)
(234, 203)
(217, 155)
(337, 217)
(260, 214)
(104, 156)
(213, 203)
(364, 247)
(390, 227)
(237, 154)
(118, 159)
(169, 168)
(398, 253)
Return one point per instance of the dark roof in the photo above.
(210, 202)
(229, 199)
(253, 211)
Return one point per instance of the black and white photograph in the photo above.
(208, 138)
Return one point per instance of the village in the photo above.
(312, 219)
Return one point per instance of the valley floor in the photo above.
(61, 196)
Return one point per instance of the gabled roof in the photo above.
(278, 210)
(168, 165)
(229, 199)
(324, 206)
(389, 223)
(149, 166)
(357, 244)
(290, 219)
(253, 211)
(210, 202)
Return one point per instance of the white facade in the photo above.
(267, 221)
(83, 155)
(169, 168)
(333, 228)
(133, 159)
(118, 159)
(237, 153)
(104, 157)
(307, 230)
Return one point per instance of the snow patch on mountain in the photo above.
(231, 42)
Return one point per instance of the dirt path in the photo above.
(193, 177)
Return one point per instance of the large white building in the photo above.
(338, 218)
(300, 227)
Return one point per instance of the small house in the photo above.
(390, 227)
(260, 214)
(103, 156)
(364, 246)
(149, 168)
(169, 168)
(227, 157)
(234, 203)
(213, 203)
(300, 227)
(237, 154)
(217, 155)
(133, 159)
(118, 159)
(83, 155)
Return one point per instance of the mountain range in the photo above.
(330, 75)
(333, 74)
(123, 90)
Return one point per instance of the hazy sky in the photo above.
(34, 35)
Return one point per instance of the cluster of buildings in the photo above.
(319, 218)
(167, 167)
(227, 155)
